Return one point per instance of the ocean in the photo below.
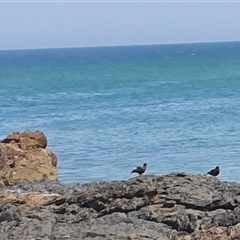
(106, 110)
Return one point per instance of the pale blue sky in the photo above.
(79, 24)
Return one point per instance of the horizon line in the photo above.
(120, 45)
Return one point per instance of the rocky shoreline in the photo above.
(176, 206)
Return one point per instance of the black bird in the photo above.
(140, 170)
(214, 172)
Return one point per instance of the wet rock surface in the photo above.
(174, 206)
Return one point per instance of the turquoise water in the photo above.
(106, 110)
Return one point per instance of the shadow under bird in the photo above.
(140, 170)
(214, 172)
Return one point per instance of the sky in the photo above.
(29, 25)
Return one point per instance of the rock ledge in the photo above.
(175, 206)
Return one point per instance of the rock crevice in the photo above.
(171, 207)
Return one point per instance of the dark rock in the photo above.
(175, 206)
